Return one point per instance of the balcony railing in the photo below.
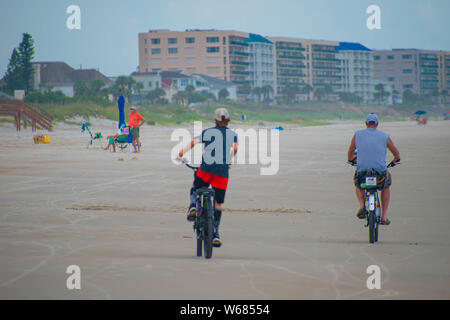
(239, 53)
(240, 72)
(288, 48)
(240, 63)
(292, 74)
(291, 57)
(239, 43)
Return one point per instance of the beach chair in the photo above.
(94, 136)
(122, 142)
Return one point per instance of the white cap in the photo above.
(221, 114)
(133, 108)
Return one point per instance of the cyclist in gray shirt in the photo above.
(371, 145)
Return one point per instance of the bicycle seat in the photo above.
(205, 192)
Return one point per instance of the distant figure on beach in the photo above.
(135, 121)
(120, 132)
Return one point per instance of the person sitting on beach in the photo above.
(111, 139)
(213, 171)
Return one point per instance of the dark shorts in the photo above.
(204, 179)
(384, 179)
(135, 132)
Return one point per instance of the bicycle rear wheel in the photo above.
(372, 227)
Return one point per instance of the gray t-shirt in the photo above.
(371, 145)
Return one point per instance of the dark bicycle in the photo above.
(204, 219)
(372, 200)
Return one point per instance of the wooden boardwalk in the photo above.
(24, 114)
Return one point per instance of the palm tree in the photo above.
(307, 89)
(189, 91)
(180, 96)
(319, 93)
(257, 92)
(267, 91)
(444, 94)
(223, 94)
(328, 90)
(290, 93)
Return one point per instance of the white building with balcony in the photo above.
(356, 63)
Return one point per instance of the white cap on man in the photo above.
(221, 114)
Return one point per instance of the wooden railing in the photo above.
(23, 112)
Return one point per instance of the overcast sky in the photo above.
(109, 28)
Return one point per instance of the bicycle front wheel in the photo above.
(208, 231)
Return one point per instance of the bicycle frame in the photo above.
(205, 202)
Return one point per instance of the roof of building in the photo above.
(351, 46)
(252, 37)
(53, 72)
(176, 74)
(215, 83)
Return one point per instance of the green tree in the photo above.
(290, 93)
(26, 54)
(95, 87)
(80, 89)
(13, 76)
(319, 93)
(223, 94)
(328, 90)
(189, 90)
(307, 89)
(155, 95)
(257, 91)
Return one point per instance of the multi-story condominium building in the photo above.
(220, 54)
(229, 55)
(302, 61)
(290, 63)
(356, 66)
(261, 65)
(444, 72)
(408, 69)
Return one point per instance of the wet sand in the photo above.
(293, 235)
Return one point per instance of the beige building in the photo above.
(220, 54)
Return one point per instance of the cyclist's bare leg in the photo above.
(360, 196)
(385, 197)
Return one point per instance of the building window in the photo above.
(390, 57)
(212, 49)
(212, 39)
(376, 58)
(156, 41)
(407, 86)
(184, 82)
(172, 40)
(149, 84)
(407, 71)
(173, 50)
(407, 57)
(190, 40)
(156, 51)
(224, 40)
(391, 79)
(145, 41)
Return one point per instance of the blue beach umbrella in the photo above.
(420, 112)
(121, 106)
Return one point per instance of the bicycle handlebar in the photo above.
(183, 161)
(390, 165)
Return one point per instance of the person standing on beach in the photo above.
(135, 121)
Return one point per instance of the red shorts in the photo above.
(215, 180)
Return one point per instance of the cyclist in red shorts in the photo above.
(216, 160)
